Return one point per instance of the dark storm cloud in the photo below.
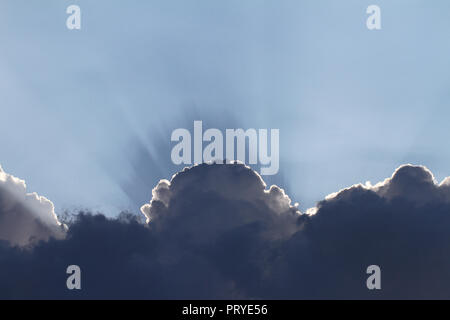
(216, 231)
(401, 224)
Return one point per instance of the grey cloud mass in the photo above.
(206, 201)
(216, 231)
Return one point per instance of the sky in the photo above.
(87, 114)
(87, 118)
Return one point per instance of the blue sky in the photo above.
(351, 104)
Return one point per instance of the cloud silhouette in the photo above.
(215, 231)
(401, 224)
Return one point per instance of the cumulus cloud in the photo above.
(217, 231)
(413, 183)
(207, 200)
(25, 218)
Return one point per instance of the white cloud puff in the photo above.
(25, 218)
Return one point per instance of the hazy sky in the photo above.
(81, 108)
